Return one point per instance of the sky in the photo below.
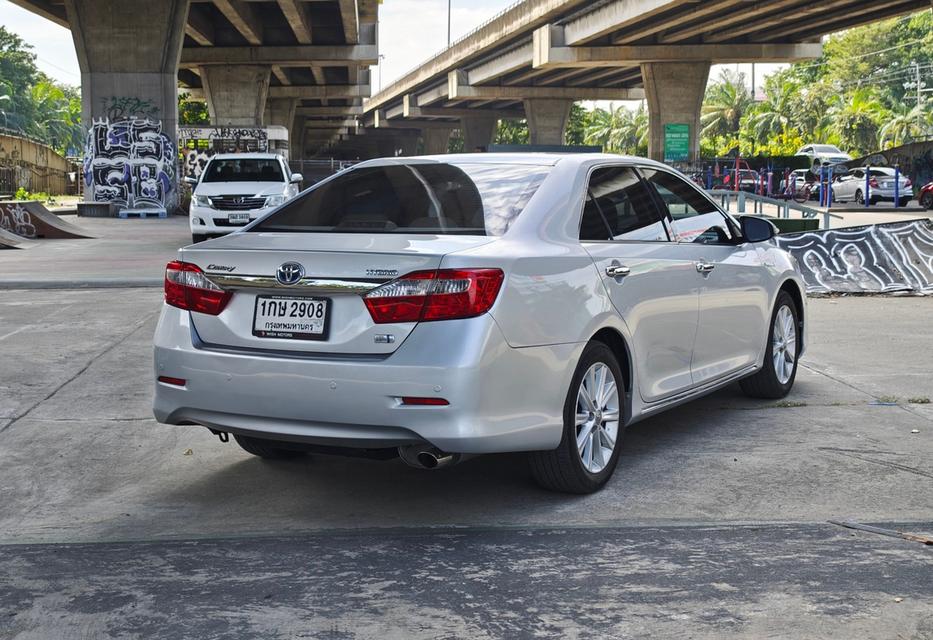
(410, 32)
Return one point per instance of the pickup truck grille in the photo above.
(237, 203)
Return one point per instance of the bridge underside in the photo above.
(659, 50)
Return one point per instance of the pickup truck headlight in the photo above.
(201, 201)
(274, 201)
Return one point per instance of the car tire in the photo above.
(859, 198)
(775, 380)
(268, 449)
(926, 201)
(570, 468)
(903, 202)
(198, 237)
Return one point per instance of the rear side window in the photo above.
(430, 198)
(693, 217)
(243, 170)
(619, 207)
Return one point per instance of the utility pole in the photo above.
(448, 22)
(916, 66)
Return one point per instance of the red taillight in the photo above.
(873, 183)
(186, 287)
(445, 294)
(178, 382)
(424, 402)
(908, 183)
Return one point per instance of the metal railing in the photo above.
(784, 207)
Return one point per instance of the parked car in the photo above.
(465, 304)
(926, 196)
(821, 154)
(235, 189)
(850, 187)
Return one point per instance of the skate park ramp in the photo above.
(12, 241)
(891, 258)
(29, 219)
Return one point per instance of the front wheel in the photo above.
(859, 198)
(776, 377)
(593, 425)
(903, 202)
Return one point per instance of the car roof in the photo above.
(245, 156)
(530, 158)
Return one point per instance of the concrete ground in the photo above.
(714, 526)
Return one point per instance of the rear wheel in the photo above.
(859, 198)
(776, 377)
(269, 449)
(903, 202)
(593, 425)
(198, 237)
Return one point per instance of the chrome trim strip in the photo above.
(305, 285)
(696, 392)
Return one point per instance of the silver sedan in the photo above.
(439, 306)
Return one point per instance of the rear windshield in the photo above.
(243, 170)
(430, 198)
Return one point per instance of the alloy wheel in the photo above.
(597, 417)
(784, 344)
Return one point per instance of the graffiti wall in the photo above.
(198, 144)
(16, 219)
(883, 258)
(130, 162)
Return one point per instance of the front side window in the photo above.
(243, 170)
(619, 207)
(429, 198)
(693, 217)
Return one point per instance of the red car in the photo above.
(926, 196)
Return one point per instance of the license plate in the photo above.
(290, 317)
(238, 218)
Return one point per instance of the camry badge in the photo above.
(289, 273)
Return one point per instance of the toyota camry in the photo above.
(432, 307)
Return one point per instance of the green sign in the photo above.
(676, 142)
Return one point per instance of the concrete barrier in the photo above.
(30, 219)
(896, 257)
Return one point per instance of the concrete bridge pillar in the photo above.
(296, 138)
(128, 52)
(280, 112)
(477, 132)
(236, 95)
(675, 94)
(435, 140)
(547, 120)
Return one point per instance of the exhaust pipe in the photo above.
(427, 457)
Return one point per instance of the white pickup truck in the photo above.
(236, 188)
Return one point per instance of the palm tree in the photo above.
(856, 120)
(726, 101)
(618, 129)
(906, 125)
(775, 114)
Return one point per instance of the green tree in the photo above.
(192, 112)
(618, 129)
(576, 124)
(18, 72)
(511, 131)
(856, 120)
(907, 124)
(725, 103)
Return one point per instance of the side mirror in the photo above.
(756, 229)
(192, 181)
(296, 177)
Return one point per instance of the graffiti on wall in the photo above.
(130, 162)
(126, 107)
(15, 219)
(883, 258)
(199, 144)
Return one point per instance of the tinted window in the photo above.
(474, 199)
(243, 170)
(619, 207)
(694, 218)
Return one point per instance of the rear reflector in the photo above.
(445, 294)
(186, 287)
(178, 382)
(425, 402)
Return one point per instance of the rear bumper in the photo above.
(501, 398)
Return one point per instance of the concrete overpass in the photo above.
(539, 56)
(280, 62)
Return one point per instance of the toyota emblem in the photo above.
(289, 273)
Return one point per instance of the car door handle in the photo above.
(705, 267)
(617, 271)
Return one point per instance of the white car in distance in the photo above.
(236, 188)
(820, 154)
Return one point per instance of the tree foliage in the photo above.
(34, 105)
